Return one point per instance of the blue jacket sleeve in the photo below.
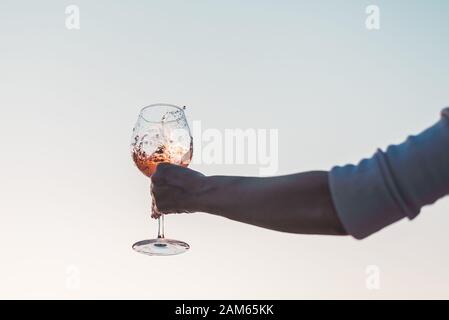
(393, 184)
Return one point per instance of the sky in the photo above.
(72, 202)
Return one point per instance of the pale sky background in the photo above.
(72, 202)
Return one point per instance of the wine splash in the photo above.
(174, 154)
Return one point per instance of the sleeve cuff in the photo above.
(365, 197)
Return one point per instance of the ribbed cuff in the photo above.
(363, 198)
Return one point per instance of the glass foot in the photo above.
(161, 247)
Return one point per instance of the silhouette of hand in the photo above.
(175, 189)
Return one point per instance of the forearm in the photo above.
(299, 203)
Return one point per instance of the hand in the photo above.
(175, 189)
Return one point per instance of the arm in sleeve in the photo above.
(393, 184)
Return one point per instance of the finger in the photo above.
(162, 170)
(155, 213)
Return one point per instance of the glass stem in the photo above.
(160, 231)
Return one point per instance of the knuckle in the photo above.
(163, 166)
(157, 178)
(162, 172)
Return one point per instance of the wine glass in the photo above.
(161, 134)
